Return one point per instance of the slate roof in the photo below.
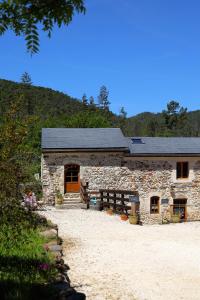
(113, 139)
(164, 146)
(83, 138)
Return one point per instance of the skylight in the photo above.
(137, 141)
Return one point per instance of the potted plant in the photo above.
(58, 198)
(109, 211)
(133, 219)
(175, 218)
(123, 217)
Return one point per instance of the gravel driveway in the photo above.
(111, 259)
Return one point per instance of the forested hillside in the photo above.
(54, 109)
(50, 108)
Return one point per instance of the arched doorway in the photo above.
(72, 178)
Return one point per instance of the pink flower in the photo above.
(44, 267)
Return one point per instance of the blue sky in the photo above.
(146, 52)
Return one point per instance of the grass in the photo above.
(25, 266)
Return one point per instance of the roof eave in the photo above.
(164, 154)
(45, 150)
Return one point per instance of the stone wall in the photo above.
(150, 177)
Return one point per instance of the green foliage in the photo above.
(50, 108)
(14, 157)
(25, 266)
(91, 100)
(88, 119)
(24, 16)
(122, 113)
(168, 123)
(26, 78)
(84, 100)
(175, 118)
(46, 103)
(103, 98)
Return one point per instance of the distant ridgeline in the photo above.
(55, 109)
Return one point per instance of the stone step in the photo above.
(72, 195)
(71, 200)
(70, 205)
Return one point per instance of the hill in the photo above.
(55, 109)
(44, 102)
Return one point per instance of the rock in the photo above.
(66, 277)
(52, 242)
(77, 296)
(67, 292)
(62, 267)
(55, 248)
(57, 254)
(50, 234)
(84, 206)
(60, 278)
(59, 260)
(61, 286)
(59, 241)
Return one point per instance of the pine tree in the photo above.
(175, 118)
(26, 78)
(122, 113)
(84, 100)
(103, 98)
(122, 118)
(91, 100)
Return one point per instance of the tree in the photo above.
(84, 100)
(88, 119)
(152, 127)
(24, 17)
(122, 113)
(175, 118)
(122, 119)
(103, 98)
(15, 158)
(26, 79)
(91, 100)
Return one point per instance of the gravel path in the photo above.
(113, 260)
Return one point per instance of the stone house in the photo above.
(164, 171)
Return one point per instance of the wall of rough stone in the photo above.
(150, 177)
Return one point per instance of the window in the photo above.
(180, 207)
(71, 173)
(182, 169)
(137, 141)
(154, 205)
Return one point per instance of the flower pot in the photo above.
(124, 217)
(175, 218)
(133, 219)
(110, 212)
(58, 200)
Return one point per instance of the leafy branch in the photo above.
(24, 16)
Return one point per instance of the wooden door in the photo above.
(72, 179)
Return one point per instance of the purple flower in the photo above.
(44, 267)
